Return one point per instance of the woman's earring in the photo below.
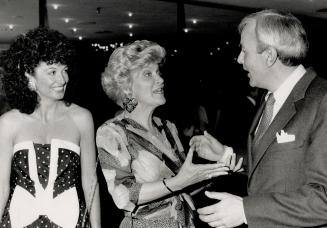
(31, 86)
(129, 104)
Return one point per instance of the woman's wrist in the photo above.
(172, 184)
(167, 187)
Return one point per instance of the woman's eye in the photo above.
(53, 72)
(148, 74)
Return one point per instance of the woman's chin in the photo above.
(163, 101)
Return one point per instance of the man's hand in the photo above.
(207, 147)
(228, 212)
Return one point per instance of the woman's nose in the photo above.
(161, 80)
(61, 78)
(240, 58)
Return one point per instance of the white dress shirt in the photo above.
(285, 89)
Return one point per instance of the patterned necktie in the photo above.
(266, 117)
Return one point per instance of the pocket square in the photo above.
(283, 137)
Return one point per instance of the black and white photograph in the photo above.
(163, 113)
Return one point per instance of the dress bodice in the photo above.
(45, 185)
(53, 165)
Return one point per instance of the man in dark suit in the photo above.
(287, 143)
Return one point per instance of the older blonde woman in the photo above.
(141, 156)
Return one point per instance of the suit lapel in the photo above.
(285, 114)
(282, 118)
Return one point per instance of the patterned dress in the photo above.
(129, 157)
(45, 187)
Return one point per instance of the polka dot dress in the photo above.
(45, 187)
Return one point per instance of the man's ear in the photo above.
(271, 56)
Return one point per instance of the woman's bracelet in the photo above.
(164, 182)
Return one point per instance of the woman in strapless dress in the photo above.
(47, 149)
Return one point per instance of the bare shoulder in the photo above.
(79, 113)
(80, 116)
(11, 118)
(10, 123)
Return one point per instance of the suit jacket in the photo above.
(287, 182)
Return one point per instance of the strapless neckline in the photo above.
(49, 143)
(54, 142)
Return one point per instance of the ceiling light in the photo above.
(130, 34)
(66, 20)
(74, 29)
(186, 30)
(80, 37)
(130, 26)
(11, 27)
(130, 14)
(194, 21)
(55, 6)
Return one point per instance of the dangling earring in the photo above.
(129, 104)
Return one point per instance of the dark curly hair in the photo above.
(24, 55)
